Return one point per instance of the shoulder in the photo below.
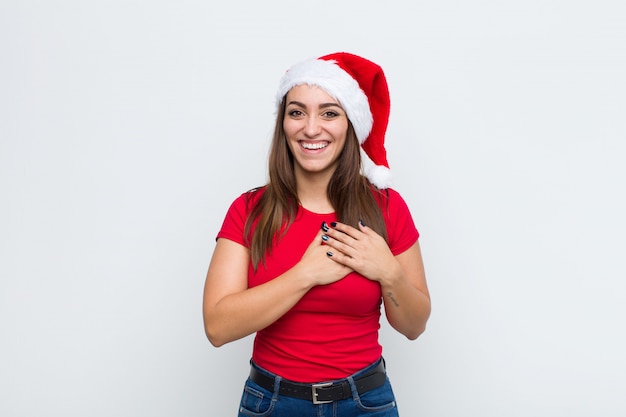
(388, 198)
(392, 194)
(397, 203)
(241, 206)
(237, 215)
(256, 191)
(401, 229)
(250, 197)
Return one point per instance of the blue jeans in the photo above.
(256, 401)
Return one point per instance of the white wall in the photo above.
(128, 127)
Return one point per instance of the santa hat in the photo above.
(360, 86)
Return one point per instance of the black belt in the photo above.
(325, 392)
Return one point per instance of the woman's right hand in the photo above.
(317, 267)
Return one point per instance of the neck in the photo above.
(313, 192)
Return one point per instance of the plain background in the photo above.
(128, 127)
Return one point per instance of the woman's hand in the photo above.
(316, 265)
(362, 250)
(401, 277)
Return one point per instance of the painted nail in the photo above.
(329, 253)
(325, 238)
(362, 222)
(333, 224)
(324, 227)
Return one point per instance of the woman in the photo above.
(307, 260)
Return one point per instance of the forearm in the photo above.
(240, 314)
(232, 310)
(405, 293)
(406, 307)
(401, 277)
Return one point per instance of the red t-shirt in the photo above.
(332, 332)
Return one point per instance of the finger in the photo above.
(338, 246)
(346, 230)
(368, 232)
(338, 236)
(341, 241)
(340, 258)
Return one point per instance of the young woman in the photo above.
(306, 261)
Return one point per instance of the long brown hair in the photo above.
(352, 196)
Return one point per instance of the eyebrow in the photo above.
(322, 106)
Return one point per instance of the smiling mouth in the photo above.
(314, 145)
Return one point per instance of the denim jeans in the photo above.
(259, 402)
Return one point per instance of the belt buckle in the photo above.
(314, 389)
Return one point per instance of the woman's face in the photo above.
(315, 126)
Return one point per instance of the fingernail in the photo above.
(333, 224)
(362, 222)
(329, 253)
(324, 227)
(325, 238)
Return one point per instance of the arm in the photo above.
(231, 310)
(401, 278)
(405, 294)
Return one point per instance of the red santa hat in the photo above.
(360, 86)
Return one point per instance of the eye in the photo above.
(331, 114)
(294, 113)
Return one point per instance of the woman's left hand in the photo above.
(363, 250)
(401, 277)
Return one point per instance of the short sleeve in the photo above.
(235, 220)
(401, 230)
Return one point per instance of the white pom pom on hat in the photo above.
(361, 88)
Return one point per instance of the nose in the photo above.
(313, 127)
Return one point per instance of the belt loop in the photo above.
(353, 389)
(257, 372)
(277, 381)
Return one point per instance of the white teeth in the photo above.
(317, 145)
